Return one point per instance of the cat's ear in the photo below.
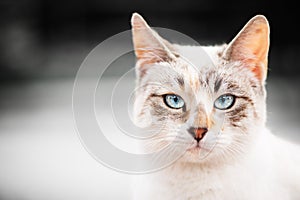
(149, 47)
(251, 46)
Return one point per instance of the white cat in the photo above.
(243, 160)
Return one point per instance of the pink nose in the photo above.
(197, 133)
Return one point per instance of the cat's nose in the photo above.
(197, 133)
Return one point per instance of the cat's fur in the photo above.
(246, 162)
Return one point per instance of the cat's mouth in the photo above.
(196, 148)
(197, 152)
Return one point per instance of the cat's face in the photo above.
(216, 110)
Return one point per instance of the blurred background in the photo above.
(43, 44)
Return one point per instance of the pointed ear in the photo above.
(148, 45)
(251, 46)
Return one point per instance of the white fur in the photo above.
(269, 170)
(247, 162)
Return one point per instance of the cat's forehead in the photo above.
(201, 69)
(207, 66)
(201, 56)
(186, 77)
(211, 82)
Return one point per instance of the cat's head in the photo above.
(217, 109)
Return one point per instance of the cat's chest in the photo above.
(192, 187)
(204, 184)
(179, 185)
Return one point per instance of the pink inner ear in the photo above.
(259, 73)
(251, 46)
(258, 69)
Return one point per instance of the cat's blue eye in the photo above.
(224, 102)
(173, 101)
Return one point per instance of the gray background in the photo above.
(42, 45)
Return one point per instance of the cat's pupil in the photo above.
(223, 99)
(175, 99)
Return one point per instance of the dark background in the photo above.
(45, 39)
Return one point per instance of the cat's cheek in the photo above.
(143, 119)
(141, 112)
(179, 118)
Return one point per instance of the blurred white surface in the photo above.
(41, 156)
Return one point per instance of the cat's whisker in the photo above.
(166, 142)
(161, 156)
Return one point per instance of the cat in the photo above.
(243, 159)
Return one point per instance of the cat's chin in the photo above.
(196, 154)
